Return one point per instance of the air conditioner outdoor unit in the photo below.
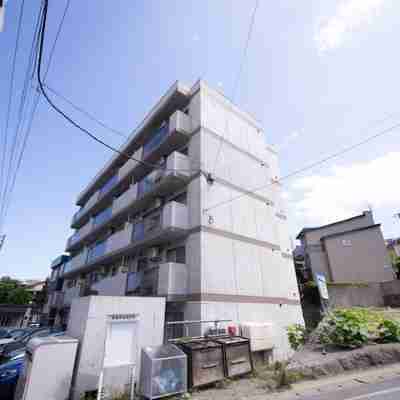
(261, 334)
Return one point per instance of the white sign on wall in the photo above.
(322, 286)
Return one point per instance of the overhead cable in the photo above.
(74, 123)
(307, 167)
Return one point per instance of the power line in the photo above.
(14, 63)
(21, 112)
(83, 111)
(306, 168)
(70, 120)
(239, 75)
(36, 100)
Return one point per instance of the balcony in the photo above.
(56, 300)
(172, 279)
(166, 279)
(136, 198)
(70, 294)
(170, 136)
(111, 286)
(78, 219)
(163, 225)
(167, 224)
(76, 262)
(128, 168)
(111, 246)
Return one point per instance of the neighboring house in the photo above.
(352, 250)
(143, 230)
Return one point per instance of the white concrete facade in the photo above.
(232, 243)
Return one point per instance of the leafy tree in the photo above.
(11, 292)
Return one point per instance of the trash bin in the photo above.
(205, 362)
(237, 355)
(163, 371)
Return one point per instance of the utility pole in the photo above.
(2, 237)
(2, 11)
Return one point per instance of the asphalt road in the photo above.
(386, 390)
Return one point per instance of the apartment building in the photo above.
(183, 221)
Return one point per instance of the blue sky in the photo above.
(318, 75)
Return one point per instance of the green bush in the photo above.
(297, 335)
(389, 331)
(355, 327)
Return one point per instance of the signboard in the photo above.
(322, 287)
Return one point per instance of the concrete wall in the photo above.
(358, 257)
(88, 324)
(237, 257)
(350, 296)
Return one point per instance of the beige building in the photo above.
(166, 225)
(351, 250)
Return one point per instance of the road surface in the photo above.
(385, 390)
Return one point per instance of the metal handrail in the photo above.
(186, 324)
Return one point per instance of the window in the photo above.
(177, 255)
(346, 242)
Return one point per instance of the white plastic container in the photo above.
(262, 335)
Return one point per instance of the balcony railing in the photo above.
(134, 281)
(168, 223)
(166, 279)
(167, 138)
(172, 279)
(158, 137)
(96, 251)
(102, 216)
(178, 127)
(108, 185)
(125, 200)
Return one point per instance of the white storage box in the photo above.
(261, 335)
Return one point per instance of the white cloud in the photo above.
(346, 191)
(350, 16)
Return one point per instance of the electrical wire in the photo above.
(239, 75)
(14, 63)
(70, 120)
(83, 111)
(36, 100)
(21, 115)
(308, 167)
